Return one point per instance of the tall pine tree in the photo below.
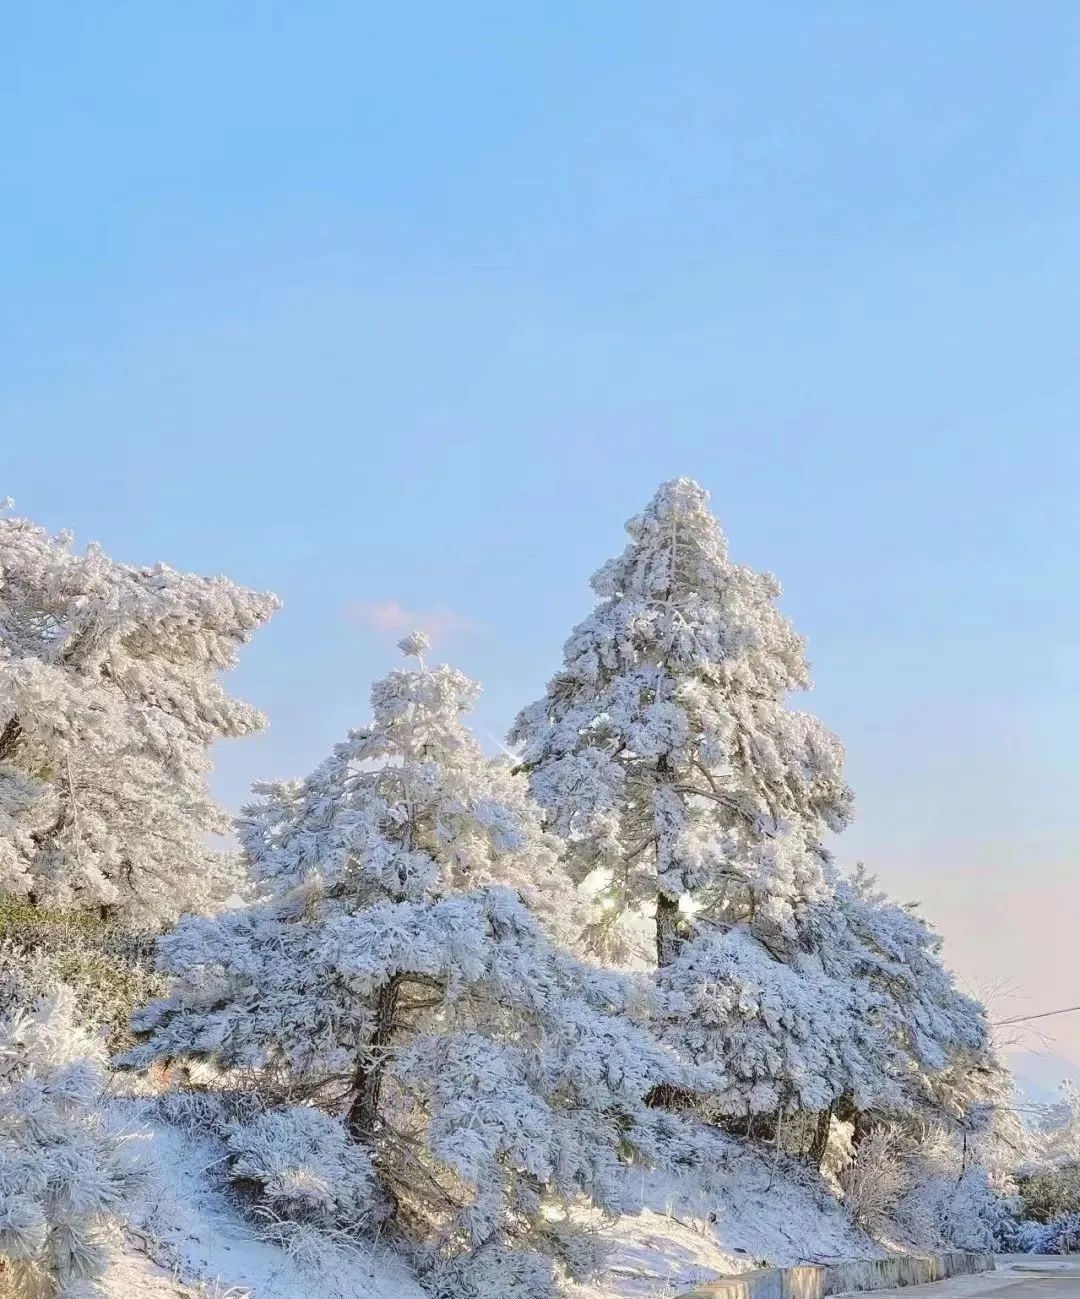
(665, 750)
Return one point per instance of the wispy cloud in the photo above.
(389, 619)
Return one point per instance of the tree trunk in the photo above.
(367, 1080)
(667, 909)
(9, 737)
(667, 923)
(820, 1143)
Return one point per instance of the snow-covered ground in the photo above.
(750, 1213)
(190, 1240)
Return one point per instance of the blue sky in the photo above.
(417, 304)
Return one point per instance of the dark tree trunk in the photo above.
(821, 1139)
(363, 1113)
(9, 737)
(862, 1122)
(667, 929)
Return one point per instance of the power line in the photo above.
(1023, 1019)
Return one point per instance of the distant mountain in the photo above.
(1039, 1074)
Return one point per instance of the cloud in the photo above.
(389, 619)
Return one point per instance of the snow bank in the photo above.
(189, 1228)
(190, 1241)
(751, 1212)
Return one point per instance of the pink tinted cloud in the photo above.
(389, 619)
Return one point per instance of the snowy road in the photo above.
(1016, 1278)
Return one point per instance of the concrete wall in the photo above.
(863, 1274)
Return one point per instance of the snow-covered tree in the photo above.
(665, 751)
(1046, 1166)
(667, 755)
(398, 969)
(857, 1017)
(110, 699)
(939, 1042)
(66, 1171)
(780, 1038)
(1058, 1130)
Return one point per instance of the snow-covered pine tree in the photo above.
(665, 752)
(110, 699)
(861, 1019)
(935, 1036)
(398, 969)
(782, 1038)
(667, 755)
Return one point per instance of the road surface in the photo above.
(1017, 1277)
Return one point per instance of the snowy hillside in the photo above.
(188, 1237)
(187, 1233)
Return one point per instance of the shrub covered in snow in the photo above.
(876, 1180)
(942, 1210)
(204, 1113)
(1026, 1236)
(66, 1174)
(304, 1166)
(109, 969)
(916, 1187)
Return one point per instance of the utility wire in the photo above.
(1023, 1019)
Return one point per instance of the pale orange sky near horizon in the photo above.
(1010, 935)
